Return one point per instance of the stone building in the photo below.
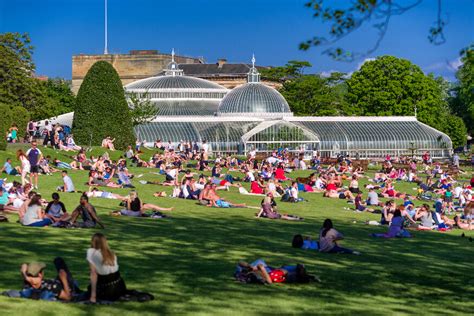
(141, 64)
(138, 64)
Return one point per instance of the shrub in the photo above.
(5, 124)
(101, 109)
(20, 117)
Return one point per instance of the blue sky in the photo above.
(232, 29)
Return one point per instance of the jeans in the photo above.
(337, 249)
(42, 223)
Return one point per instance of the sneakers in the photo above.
(356, 253)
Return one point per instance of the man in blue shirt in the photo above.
(8, 168)
(34, 156)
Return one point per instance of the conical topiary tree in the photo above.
(101, 109)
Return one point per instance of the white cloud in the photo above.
(444, 66)
(359, 65)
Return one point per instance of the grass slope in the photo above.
(187, 261)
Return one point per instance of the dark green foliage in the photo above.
(293, 69)
(5, 123)
(101, 109)
(463, 102)
(55, 98)
(313, 95)
(309, 94)
(17, 86)
(20, 117)
(393, 86)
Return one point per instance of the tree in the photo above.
(20, 117)
(54, 98)
(393, 86)
(315, 96)
(17, 86)
(142, 109)
(101, 109)
(293, 69)
(348, 18)
(463, 102)
(454, 127)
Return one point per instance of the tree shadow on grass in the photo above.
(187, 263)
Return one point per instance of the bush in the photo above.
(5, 124)
(101, 109)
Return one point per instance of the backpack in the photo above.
(285, 197)
(277, 276)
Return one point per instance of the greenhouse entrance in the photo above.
(271, 135)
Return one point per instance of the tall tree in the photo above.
(17, 86)
(463, 102)
(315, 96)
(101, 109)
(393, 86)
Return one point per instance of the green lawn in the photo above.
(187, 261)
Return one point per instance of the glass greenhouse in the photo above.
(254, 115)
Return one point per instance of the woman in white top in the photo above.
(106, 282)
(25, 165)
(34, 215)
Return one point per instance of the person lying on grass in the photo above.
(94, 192)
(216, 201)
(135, 207)
(396, 227)
(56, 210)
(96, 179)
(259, 272)
(328, 240)
(304, 242)
(339, 195)
(268, 210)
(62, 287)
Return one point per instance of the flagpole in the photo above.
(106, 50)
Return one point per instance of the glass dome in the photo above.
(254, 98)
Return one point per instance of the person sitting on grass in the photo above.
(396, 227)
(9, 169)
(135, 207)
(294, 193)
(106, 283)
(68, 185)
(56, 210)
(268, 210)
(105, 280)
(95, 179)
(5, 201)
(360, 205)
(63, 287)
(87, 213)
(34, 215)
(328, 238)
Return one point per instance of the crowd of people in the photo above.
(438, 202)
